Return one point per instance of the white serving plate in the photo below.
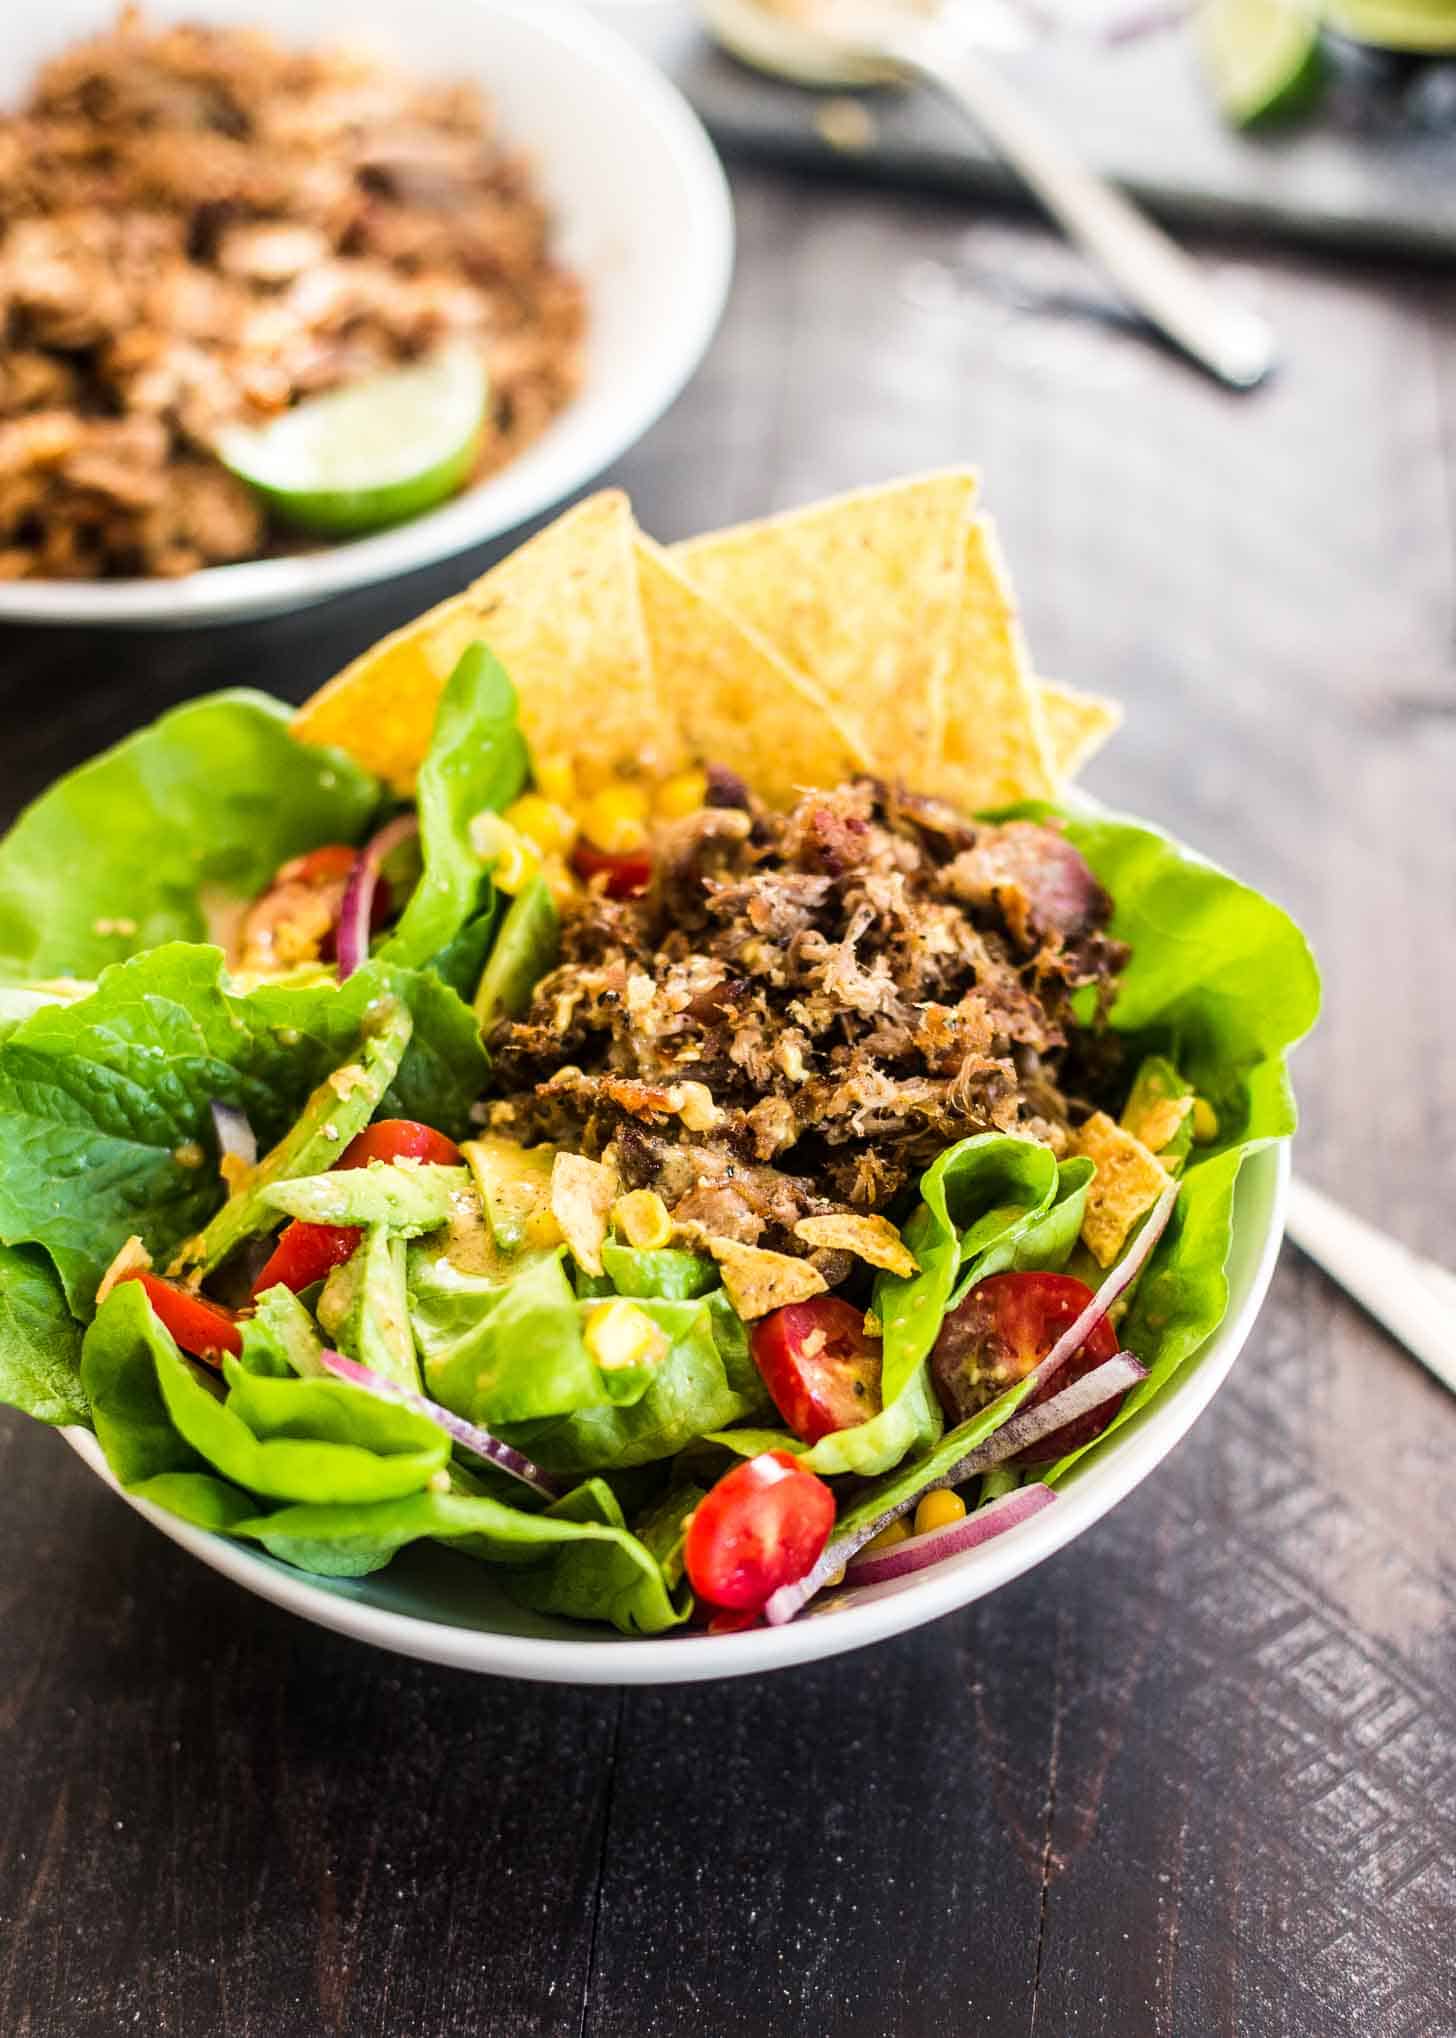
(443, 1608)
(644, 218)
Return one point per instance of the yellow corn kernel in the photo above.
(834, 1578)
(619, 1334)
(1205, 1122)
(510, 857)
(897, 1532)
(641, 1217)
(938, 1510)
(681, 794)
(615, 819)
(698, 1111)
(556, 780)
(547, 827)
(560, 882)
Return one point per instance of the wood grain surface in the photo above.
(1196, 1777)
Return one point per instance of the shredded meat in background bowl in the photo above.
(198, 226)
(807, 1008)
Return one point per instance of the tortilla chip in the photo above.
(1077, 726)
(994, 747)
(736, 701)
(861, 594)
(757, 1281)
(582, 1195)
(1128, 1182)
(873, 1239)
(563, 616)
(1161, 1122)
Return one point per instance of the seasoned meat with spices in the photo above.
(806, 1008)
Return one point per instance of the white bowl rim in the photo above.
(691, 1659)
(505, 501)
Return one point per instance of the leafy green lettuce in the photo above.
(476, 761)
(40, 1341)
(197, 811)
(104, 1114)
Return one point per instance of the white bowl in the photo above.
(443, 1608)
(644, 218)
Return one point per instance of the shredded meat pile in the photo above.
(806, 1008)
(197, 225)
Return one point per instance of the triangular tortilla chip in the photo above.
(562, 614)
(1077, 725)
(994, 747)
(861, 594)
(736, 701)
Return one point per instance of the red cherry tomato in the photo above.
(627, 871)
(999, 1332)
(817, 1363)
(394, 1139)
(319, 866)
(763, 1525)
(203, 1328)
(305, 1253)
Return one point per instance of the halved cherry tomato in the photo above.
(1004, 1326)
(305, 1253)
(817, 1363)
(394, 1139)
(627, 871)
(763, 1525)
(203, 1328)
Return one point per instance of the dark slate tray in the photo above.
(1374, 168)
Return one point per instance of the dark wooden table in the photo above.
(1197, 1775)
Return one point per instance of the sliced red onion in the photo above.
(352, 945)
(1104, 1383)
(480, 1441)
(235, 1136)
(874, 1567)
(1118, 1281)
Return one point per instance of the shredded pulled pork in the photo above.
(199, 225)
(806, 1008)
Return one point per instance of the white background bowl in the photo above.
(643, 215)
(444, 1608)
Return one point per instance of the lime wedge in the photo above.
(1262, 57)
(1427, 27)
(370, 454)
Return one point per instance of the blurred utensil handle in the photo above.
(1153, 273)
(1414, 1298)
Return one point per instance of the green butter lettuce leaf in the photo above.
(705, 1382)
(40, 1342)
(663, 1528)
(321, 1440)
(501, 1352)
(1221, 980)
(199, 1497)
(577, 1558)
(664, 1275)
(525, 949)
(1180, 1299)
(104, 1104)
(476, 762)
(188, 816)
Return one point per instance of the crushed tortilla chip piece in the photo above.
(1128, 1182)
(1160, 1122)
(861, 594)
(564, 618)
(873, 1239)
(757, 1280)
(582, 1195)
(132, 1259)
(1077, 725)
(737, 702)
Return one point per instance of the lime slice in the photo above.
(1262, 57)
(1425, 26)
(370, 454)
